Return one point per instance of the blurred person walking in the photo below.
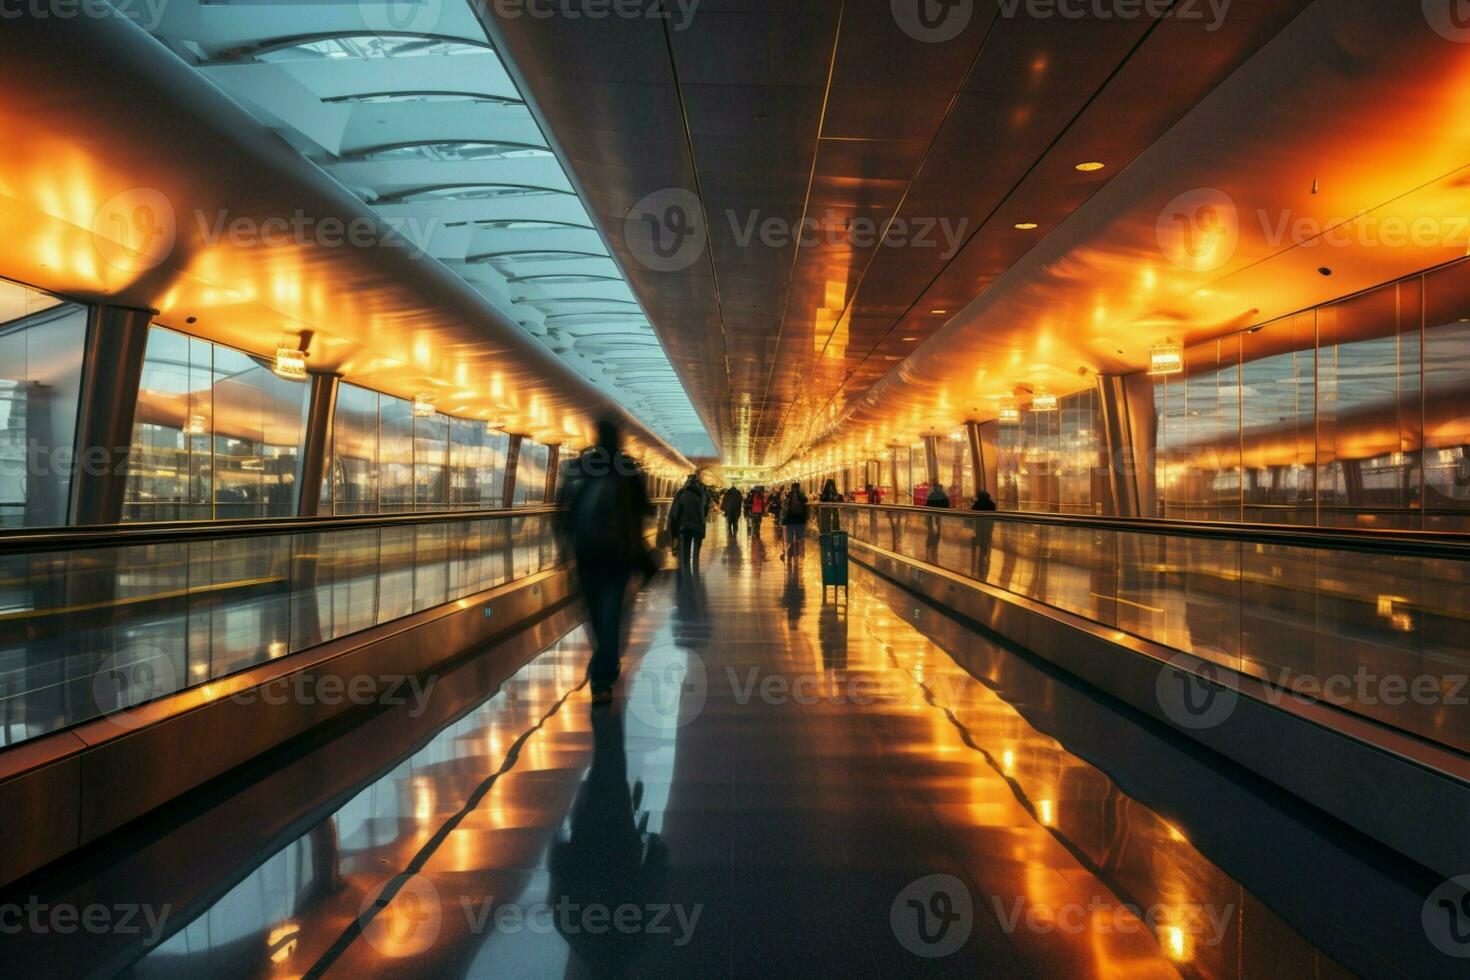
(731, 506)
(687, 519)
(827, 515)
(755, 510)
(793, 522)
(607, 505)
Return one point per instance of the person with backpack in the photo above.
(730, 506)
(755, 510)
(687, 521)
(827, 518)
(607, 505)
(793, 522)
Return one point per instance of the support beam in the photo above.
(984, 438)
(512, 458)
(1126, 404)
(317, 444)
(553, 463)
(931, 459)
(112, 368)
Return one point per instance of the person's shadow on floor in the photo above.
(609, 860)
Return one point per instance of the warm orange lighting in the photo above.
(1091, 166)
(1043, 402)
(1010, 414)
(1176, 944)
(1026, 225)
(281, 942)
(1166, 358)
(910, 340)
(290, 364)
(423, 407)
(196, 426)
(939, 312)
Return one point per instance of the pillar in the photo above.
(112, 369)
(316, 447)
(553, 463)
(1130, 435)
(984, 438)
(512, 458)
(931, 459)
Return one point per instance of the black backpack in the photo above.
(795, 507)
(600, 517)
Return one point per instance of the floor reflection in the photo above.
(775, 781)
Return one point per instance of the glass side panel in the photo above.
(1379, 635)
(161, 618)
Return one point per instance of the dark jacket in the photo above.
(937, 497)
(687, 515)
(794, 509)
(830, 495)
(983, 502)
(606, 506)
(732, 503)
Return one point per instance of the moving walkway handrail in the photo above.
(168, 532)
(1414, 544)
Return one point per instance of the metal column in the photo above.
(984, 438)
(512, 458)
(318, 443)
(112, 368)
(931, 459)
(1126, 404)
(553, 463)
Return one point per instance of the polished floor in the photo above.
(793, 782)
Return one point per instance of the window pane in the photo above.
(1447, 398)
(430, 462)
(41, 341)
(355, 451)
(395, 454)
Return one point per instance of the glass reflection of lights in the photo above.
(290, 364)
(1166, 358)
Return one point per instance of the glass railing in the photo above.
(97, 621)
(1374, 623)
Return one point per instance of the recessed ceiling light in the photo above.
(1090, 166)
(939, 312)
(910, 339)
(1026, 225)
